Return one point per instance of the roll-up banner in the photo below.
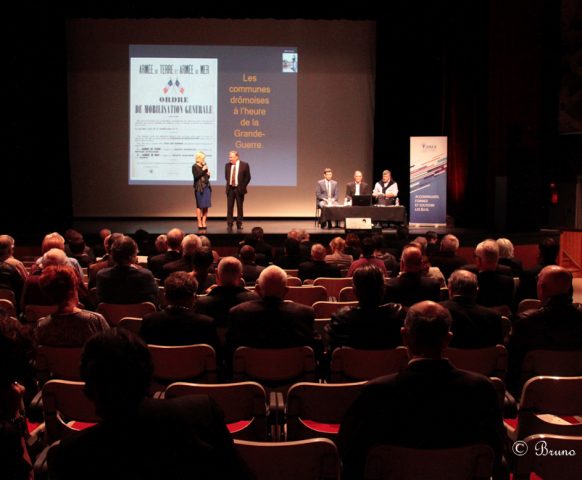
(428, 181)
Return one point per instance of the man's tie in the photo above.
(328, 189)
(232, 179)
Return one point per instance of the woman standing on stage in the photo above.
(202, 189)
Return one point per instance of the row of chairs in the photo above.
(314, 410)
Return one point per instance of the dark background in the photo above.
(488, 74)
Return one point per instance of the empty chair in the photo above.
(548, 405)
(133, 324)
(551, 362)
(463, 463)
(490, 361)
(244, 405)
(313, 459)
(347, 295)
(113, 312)
(561, 466)
(351, 364)
(333, 285)
(306, 295)
(325, 309)
(8, 295)
(274, 368)
(183, 363)
(316, 409)
(64, 402)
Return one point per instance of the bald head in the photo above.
(426, 329)
(272, 282)
(229, 272)
(318, 252)
(464, 283)
(190, 244)
(6, 245)
(487, 255)
(449, 243)
(411, 260)
(553, 281)
(175, 237)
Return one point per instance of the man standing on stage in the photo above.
(238, 175)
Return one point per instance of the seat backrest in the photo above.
(351, 364)
(347, 295)
(333, 285)
(8, 307)
(64, 401)
(325, 309)
(551, 362)
(390, 462)
(133, 324)
(8, 294)
(113, 313)
(313, 459)
(550, 405)
(527, 304)
(291, 272)
(317, 409)
(58, 362)
(33, 313)
(183, 363)
(306, 295)
(244, 405)
(489, 361)
(564, 463)
(294, 282)
(273, 365)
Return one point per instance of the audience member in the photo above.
(430, 405)
(98, 248)
(411, 286)
(338, 257)
(270, 322)
(495, 281)
(507, 258)
(203, 260)
(548, 250)
(263, 250)
(69, 326)
(382, 254)
(190, 245)
(228, 292)
(161, 244)
(178, 323)
(372, 324)
(80, 251)
(56, 240)
(556, 325)
(139, 437)
(317, 267)
(126, 282)
(368, 247)
(353, 246)
(106, 259)
(292, 257)
(173, 253)
(432, 246)
(447, 259)
(251, 270)
(7, 255)
(473, 326)
(16, 359)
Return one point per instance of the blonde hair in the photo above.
(201, 155)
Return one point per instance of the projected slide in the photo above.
(214, 99)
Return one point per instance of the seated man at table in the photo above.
(326, 193)
(357, 187)
(386, 190)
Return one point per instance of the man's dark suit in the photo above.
(236, 193)
(314, 269)
(157, 262)
(220, 300)
(429, 405)
(270, 323)
(473, 326)
(411, 288)
(365, 189)
(374, 328)
(183, 437)
(126, 284)
(321, 192)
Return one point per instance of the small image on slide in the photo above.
(290, 62)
